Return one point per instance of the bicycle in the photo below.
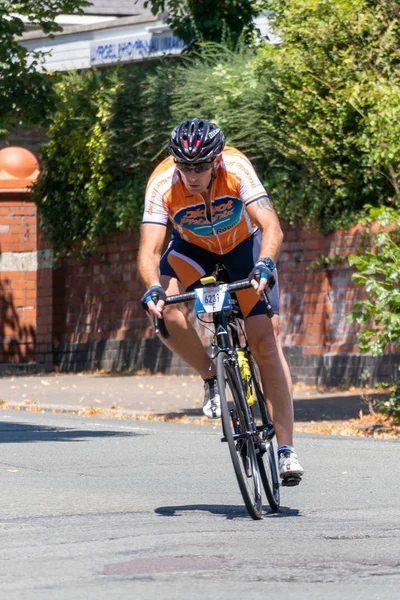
(246, 424)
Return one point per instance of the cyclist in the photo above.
(219, 212)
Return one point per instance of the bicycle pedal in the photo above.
(223, 439)
(291, 480)
(261, 448)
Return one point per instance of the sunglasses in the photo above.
(199, 168)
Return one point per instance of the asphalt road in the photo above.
(105, 509)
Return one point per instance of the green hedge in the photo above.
(110, 129)
(318, 114)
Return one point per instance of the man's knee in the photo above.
(264, 347)
(172, 314)
(263, 336)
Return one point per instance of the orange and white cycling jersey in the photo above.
(235, 186)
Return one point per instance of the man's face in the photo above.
(196, 183)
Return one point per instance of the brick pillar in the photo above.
(25, 268)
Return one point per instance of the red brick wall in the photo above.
(315, 303)
(25, 289)
(96, 307)
(87, 312)
(18, 224)
(17, 286)
(97, 298)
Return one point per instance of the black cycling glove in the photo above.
(155, 290)
(261, 271)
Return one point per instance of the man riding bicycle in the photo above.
(220, 213)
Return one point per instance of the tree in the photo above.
(337, 72)
(209, 20)
(24, 85)
(108, 130)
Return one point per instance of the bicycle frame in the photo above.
(246, 438)
(224, 325)
(223, 322)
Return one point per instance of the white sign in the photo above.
(135, 48)
(212, 299)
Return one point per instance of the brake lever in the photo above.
(267, 304)
(158, 322)
(268, 308)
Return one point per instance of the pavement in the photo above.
(167, 396)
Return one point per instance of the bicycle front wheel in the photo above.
(236, 433)
(265, 449)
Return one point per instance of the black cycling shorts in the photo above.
(188, 263)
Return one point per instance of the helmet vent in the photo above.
(196, 140)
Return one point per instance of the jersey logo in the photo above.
(226, 213)
(193, 219)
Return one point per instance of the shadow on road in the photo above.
(332, 408)
(20, 432)
(319, 408)
(230, 511)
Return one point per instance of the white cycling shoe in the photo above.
(290, 470)
(212, 402)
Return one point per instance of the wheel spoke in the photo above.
(240, 440)
(266, 452)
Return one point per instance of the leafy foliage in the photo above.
(391, 405)
(222, 85)
(230, 88)
(325, 261)
(318, 115)
(379, 273)
(25, 90)
(209, 20)
(101, 151)
(379, 315)
(338, 78)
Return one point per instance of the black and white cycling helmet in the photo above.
(195, 141)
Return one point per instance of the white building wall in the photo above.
(124, 39)
(83, 47)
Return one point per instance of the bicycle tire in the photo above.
(266, 451)
(242, 450)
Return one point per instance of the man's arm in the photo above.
(263, 215)
(152, 239)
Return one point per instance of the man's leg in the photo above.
(263, 337)
(184, 340)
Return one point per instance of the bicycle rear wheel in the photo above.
(236, 433)
(265, 451)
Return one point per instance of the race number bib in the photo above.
(212, 299)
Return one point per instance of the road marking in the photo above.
(137, 428)
(123, 427)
